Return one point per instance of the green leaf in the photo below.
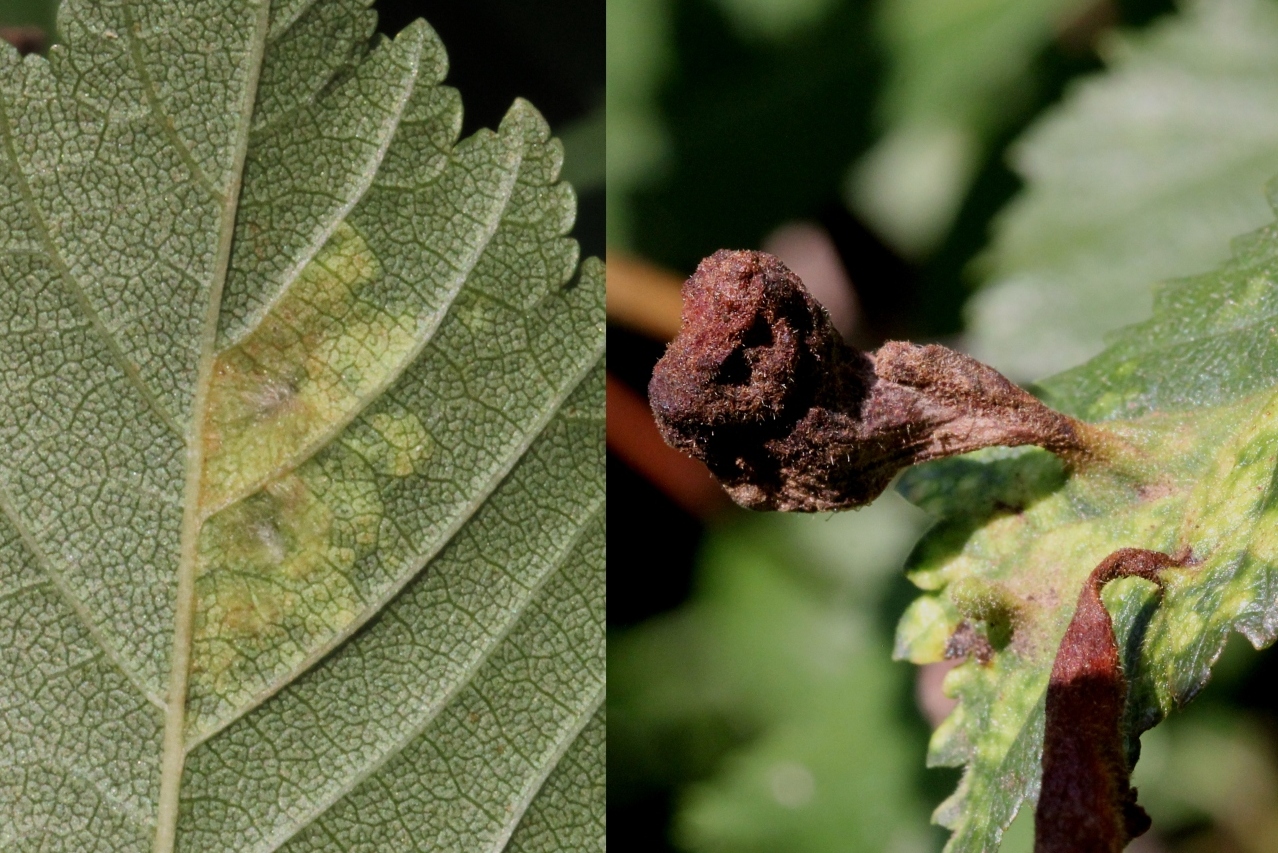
(1191, 394)
(1131, 180)
(1210, 342)
(302, 536)
(639, 53)
(949, 56)
(773, 19)
(1191, 390)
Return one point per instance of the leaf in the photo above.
(1131, 180)
(302, 537)
(1086, 801)
(638, 54)
(1192, 394)
(773, 19)
(1210, 342)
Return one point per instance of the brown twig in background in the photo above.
(633, 437)
(760, 387)
(25, 39)
(643, 297)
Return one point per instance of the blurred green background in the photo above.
(1010, 177)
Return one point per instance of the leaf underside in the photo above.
(295, 382)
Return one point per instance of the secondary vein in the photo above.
(424, 336)
(162, 118)
(483, 491)
(72, 284)
(464, 679)
(59, 583)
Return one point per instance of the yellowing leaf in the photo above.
(1019, 535)
(302, 406)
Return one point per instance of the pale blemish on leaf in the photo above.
(1214, 469)
(1264, 541)
(276, 580)
(924, 629)
(278, 552)
(314, 360)
(394, 442)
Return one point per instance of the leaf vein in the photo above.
(64, 590)
(425, 337)
(59, 264)
(162, 118)
(561, 748)
(449, 694)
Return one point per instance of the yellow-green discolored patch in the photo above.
(925, 628)
(393, 442)
(274, 583)
(321, 352)
(278, 574)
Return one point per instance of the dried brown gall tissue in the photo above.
(1086, 803)
(760, 387)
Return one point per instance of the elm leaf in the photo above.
(1130, 181)
(957, 71)
(1190, 390)
(1191, 393)
(301, 543)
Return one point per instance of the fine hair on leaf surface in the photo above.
(301, 510)
(1141, 198)
(761, 387)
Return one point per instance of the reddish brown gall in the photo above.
(760, 387)
(1086, 803)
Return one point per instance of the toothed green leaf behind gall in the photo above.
(1129, 181)
(301, 400)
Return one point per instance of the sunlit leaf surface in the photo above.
(1143, 173)
(1191, 393)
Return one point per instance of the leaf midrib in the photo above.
(173, 755)
(339, 214)
(424, 335)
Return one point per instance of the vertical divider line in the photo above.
(173, 756)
